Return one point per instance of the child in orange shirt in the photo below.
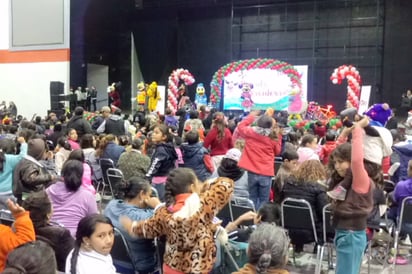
(23, 232)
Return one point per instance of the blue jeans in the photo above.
(259, 188)
(160, 190)
(350, 247)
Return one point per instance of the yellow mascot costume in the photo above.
(153, 95)
(141, 94)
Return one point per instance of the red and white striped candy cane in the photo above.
(173, 89)
(354, 82)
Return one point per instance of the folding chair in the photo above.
(225, 214)
(121, 254)
(405, 217)
(238, 210)
(105, 164)
(6, 218)
(114, 178)
(155, 193)
(241, 201)
(297, 214)
(327, 229)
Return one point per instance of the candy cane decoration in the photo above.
(173, 89)
(354, 82)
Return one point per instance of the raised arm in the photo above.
(361, 181)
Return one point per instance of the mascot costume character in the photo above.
(200, 98)
(141, 94)
(246, 96)
(114, 95)
(153, 95)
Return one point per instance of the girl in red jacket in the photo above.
(262, 143)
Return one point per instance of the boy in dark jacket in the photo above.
(193, 155)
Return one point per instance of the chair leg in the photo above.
(320, 259)
(395, 247)
(330, 256)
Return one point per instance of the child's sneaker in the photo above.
(338, 193)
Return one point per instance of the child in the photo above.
(163, 158)
(193, 156)
(187, 221)
(32, 257)
(350, 216)
(58, 237)
(375, 149)
(94, 241)
(289, 165)
(328, 147)
(87, 170)
(170, 120)
(23, 232)
(268, 213)
(307, 149)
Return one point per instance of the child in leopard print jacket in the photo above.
(187, 221)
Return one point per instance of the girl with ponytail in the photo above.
(94, 241)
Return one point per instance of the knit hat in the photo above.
(36, 148)
(233, 154)
(376, 148)
(264, 121)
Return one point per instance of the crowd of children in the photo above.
(54, 174)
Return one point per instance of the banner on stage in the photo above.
(260, 89)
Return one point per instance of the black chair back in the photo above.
(297, 214)
(114, 177)
(238, 210)
(6, 218)
(105, 164)
(328, 229)
(406, 211)
(120, 252)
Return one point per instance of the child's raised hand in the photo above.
(364, 122)
(14, 207)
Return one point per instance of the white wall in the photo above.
(4, 24)
(28, 85)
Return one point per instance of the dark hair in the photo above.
(123, 140)
(129, 189)
(341, 153)
(165, 132)
(37, 120)
(178, 182)
(193, 114)
(228, 164)
(64, 143)
(192, 137)
(39, 205)
(290, 155)
(76, 154)
(57, 127)
(270, 213)
(219, 122)
(72, 173)
(307, 139)
(137, 143)
(168, 111)
(86, 141)
(78, 111)
(31, 258)
(264, 121)
(268, 248)
(85, 228)
(330, 136)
